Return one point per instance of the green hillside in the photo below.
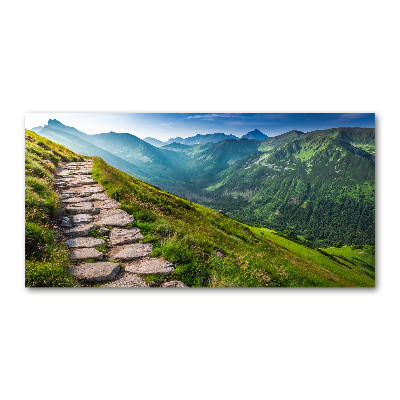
(207, 248)
(46, 259)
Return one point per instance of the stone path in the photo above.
(105, 248)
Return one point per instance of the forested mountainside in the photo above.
(320, 187)
(320, 184)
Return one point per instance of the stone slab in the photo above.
(116, 218)
(133, 251)
(72, 200)
(82, 219)
(81, 230)
(81, 208)
(64, 196)
(148, 266)
(109, 204)
(81, 254)
(91, 189)
(80, 182)
(120, 236)
(68, 179)
(96, 272)
(84, 242)
(127, 281)
(63, 172)
(99, 196)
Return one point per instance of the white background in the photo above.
(208, 56)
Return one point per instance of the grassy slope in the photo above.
(342, 263)
(46, 259)
(356, 256)
(190, 236)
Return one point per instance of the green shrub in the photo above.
(47, 274)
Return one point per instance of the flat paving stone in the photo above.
(120, 236)
(96, 272)
(72, 200)
(116, 218)
(81, 230)
(82, 219)
(63, 172)
(81, 254)
(84, 242)
(99, 196)
(111, 204)
(91, 189)
(133, 251)
(69, 192)
(80, 182)
(173, 284)
(148, 266)
(64, 196)
(127, 281)
(81, 208)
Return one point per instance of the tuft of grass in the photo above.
(153, 279)
(102, 248)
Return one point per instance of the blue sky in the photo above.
(163, 126)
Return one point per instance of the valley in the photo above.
(319, 184)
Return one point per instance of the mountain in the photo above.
(54, 124)
(124, 151)
(202, 139)
(37, 129)
(81, 146)
(275, 141)
(319, 185)
(154, 142)
(256, 135)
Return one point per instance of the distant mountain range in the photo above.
(209, 138)
(319, 184)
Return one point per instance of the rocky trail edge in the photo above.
(106, 250)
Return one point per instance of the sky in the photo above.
(163, 126)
